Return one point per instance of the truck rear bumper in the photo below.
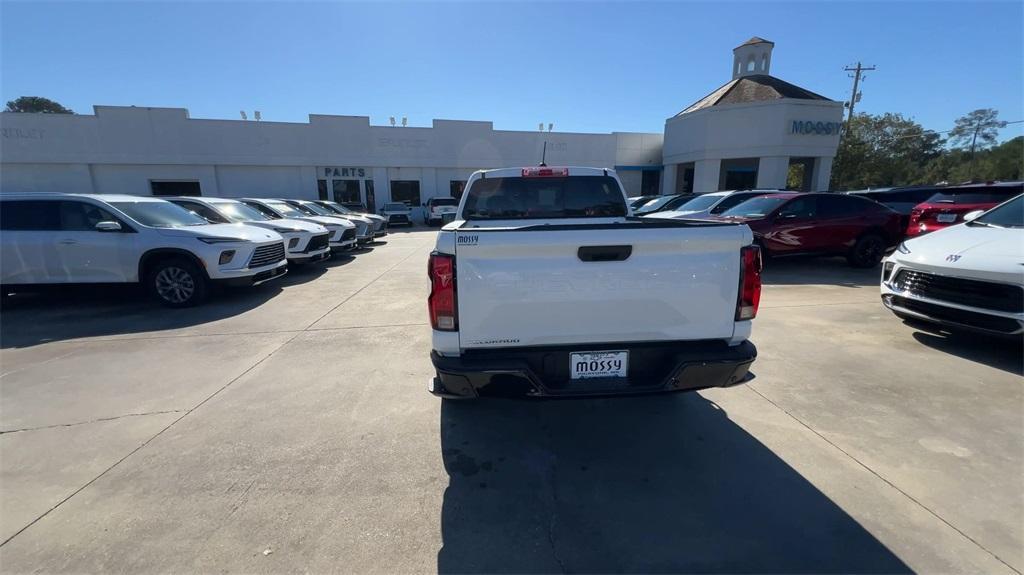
(544, 371)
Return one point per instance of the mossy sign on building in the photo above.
(818, 128)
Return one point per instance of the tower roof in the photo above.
(752, 88)
(756, 40)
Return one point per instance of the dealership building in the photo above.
(753, 131)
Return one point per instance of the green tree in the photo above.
(37, 105)
(883, 150)
(977, 130)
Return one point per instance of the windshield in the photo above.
(655, 204)
(1008, 215)
(444, 202)
(159, 214)
(317, 209)
(395, 207)
(699, 203)
(755, 208)
(337, 208)
(286, 210)
(564, 197)
(239, 212)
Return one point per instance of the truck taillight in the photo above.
(444, 315)
(750, 283)
(545, 172)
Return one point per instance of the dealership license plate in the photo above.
(946, 218)
(592, 364)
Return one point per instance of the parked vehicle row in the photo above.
(929, 208)
(176, 247)
(799, 224)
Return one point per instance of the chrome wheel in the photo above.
(175, 284)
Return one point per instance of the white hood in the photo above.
(976, 251)
(240, 231)
(300, 225)
(328, 221)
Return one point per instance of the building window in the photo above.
(346, 191)
(456, 187)
(764, 62)
(166, 188)
(650, 182)
(407, 191)
(750, 64)
(321, 189)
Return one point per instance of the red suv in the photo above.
(949, 204)
(820, 224)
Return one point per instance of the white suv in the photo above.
(73, 239)
(306, 242)
(397, 213)
(343, 232)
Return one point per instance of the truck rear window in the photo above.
(523, 198)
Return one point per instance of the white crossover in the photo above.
(305, 241)
(78, 238)
(343, 232)
(397, 213)
(969, 276)
(364, 226)
(380, 225)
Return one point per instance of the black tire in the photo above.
(177, 282)
(867, 252)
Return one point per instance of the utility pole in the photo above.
(974, 140)
(855, 96)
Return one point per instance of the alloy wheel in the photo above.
(175, 285)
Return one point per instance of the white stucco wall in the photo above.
(125, 147)
(751, 131)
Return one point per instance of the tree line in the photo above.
(889, 150)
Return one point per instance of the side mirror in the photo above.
(108, 226)
(971, 216)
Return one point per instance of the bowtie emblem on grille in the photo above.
(953, 258)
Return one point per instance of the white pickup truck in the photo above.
(546, 285)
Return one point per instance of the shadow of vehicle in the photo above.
(647, 484)
(818, 271)
(59, 313)
(1006, 354)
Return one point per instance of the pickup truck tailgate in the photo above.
(551, 285)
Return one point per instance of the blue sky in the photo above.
(588, 67)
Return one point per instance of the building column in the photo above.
(705, 175)
(822, 174)
(381, 188)
(668, 179)
(772, 172)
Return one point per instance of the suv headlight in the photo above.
(222, 240)
(287, 230)
(902, 248)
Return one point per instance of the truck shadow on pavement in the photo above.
(646, 484)
(63, 313)
(818, 271)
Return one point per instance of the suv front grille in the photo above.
(348, 234)
(265, 255)
(973, 293)
(317, 242)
